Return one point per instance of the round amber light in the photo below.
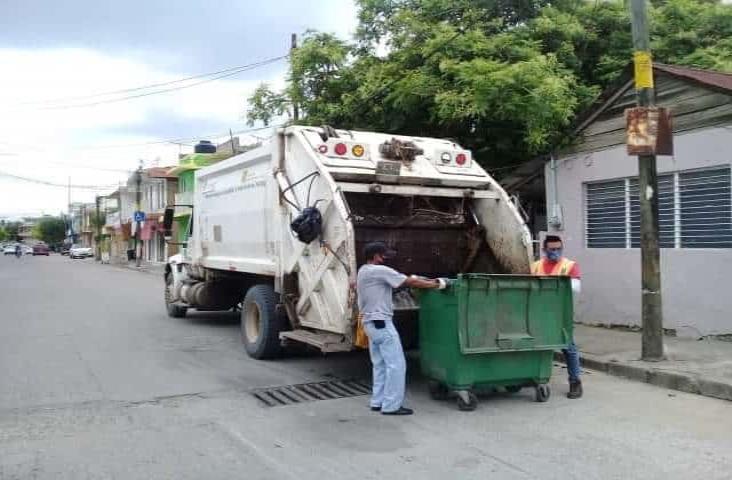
(357, 151)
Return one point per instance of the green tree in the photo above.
(3, 234)
(51, 230)
(265, 105)
(503, 77)
(11, 230)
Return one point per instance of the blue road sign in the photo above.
(139, 216)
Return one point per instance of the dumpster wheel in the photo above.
(542, 392)
(467, 401)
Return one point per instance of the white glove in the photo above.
(443, 283)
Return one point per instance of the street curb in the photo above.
(660, 378)
(132, 268)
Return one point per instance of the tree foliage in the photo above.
(51, 230)
(503, 77)
(11, 230)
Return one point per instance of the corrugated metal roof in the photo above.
(710, 78)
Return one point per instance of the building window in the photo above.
(695, 211)
(705, 213)
(606, 224)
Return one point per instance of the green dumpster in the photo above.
(493, 331)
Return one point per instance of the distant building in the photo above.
(158, 190)
(79, 224)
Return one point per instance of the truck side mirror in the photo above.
(168, 223)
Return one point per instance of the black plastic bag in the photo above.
(308, 225)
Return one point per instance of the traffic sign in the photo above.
(139, 216)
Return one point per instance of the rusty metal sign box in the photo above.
(649, 131)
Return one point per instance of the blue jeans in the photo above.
(389, 366)
(572, 358)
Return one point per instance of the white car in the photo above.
(78, 251)
(10, 250)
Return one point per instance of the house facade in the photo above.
(80, 230)
(592, 201)
(158, 190)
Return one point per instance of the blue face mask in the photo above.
(554, 255)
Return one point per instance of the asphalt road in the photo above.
(97, 382)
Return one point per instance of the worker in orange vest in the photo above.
(554, 263)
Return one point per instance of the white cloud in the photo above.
(51, 144)
(40, 141)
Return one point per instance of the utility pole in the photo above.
(97, 220)
(138, 208)
(295, 108)
(652, 312)
(71, 218)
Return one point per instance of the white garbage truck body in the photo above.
(427, 198)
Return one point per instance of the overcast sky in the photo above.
(51, 51)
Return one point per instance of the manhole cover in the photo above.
(311, 392)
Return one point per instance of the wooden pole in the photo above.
(295, 107)
(652, 311)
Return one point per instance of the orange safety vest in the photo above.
(561, 268)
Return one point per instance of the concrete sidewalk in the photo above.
(695, 366)
(146, 267)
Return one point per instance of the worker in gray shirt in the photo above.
(374, 285)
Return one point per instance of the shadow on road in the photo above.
(213, 319)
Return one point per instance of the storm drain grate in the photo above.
(311, 392)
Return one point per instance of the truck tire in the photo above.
(261, 324)
(174, 311)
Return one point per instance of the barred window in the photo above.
(695, 211)
(705, 209)
(607, 214)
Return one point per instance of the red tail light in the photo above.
(341, 149)
(460, 159)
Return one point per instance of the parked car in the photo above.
(77, 251)
(9, 250)
(41, 249)
(26, 250)
(64, 250)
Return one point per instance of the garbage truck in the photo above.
(277, 232)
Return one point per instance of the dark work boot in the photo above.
(575, 390)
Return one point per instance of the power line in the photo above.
(39, 181)
(75, 165)
(142, 87)
(174, 141)
(166, 90)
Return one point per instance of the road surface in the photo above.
(96, 382)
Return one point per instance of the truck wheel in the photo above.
(261, 324)
(174, 311)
